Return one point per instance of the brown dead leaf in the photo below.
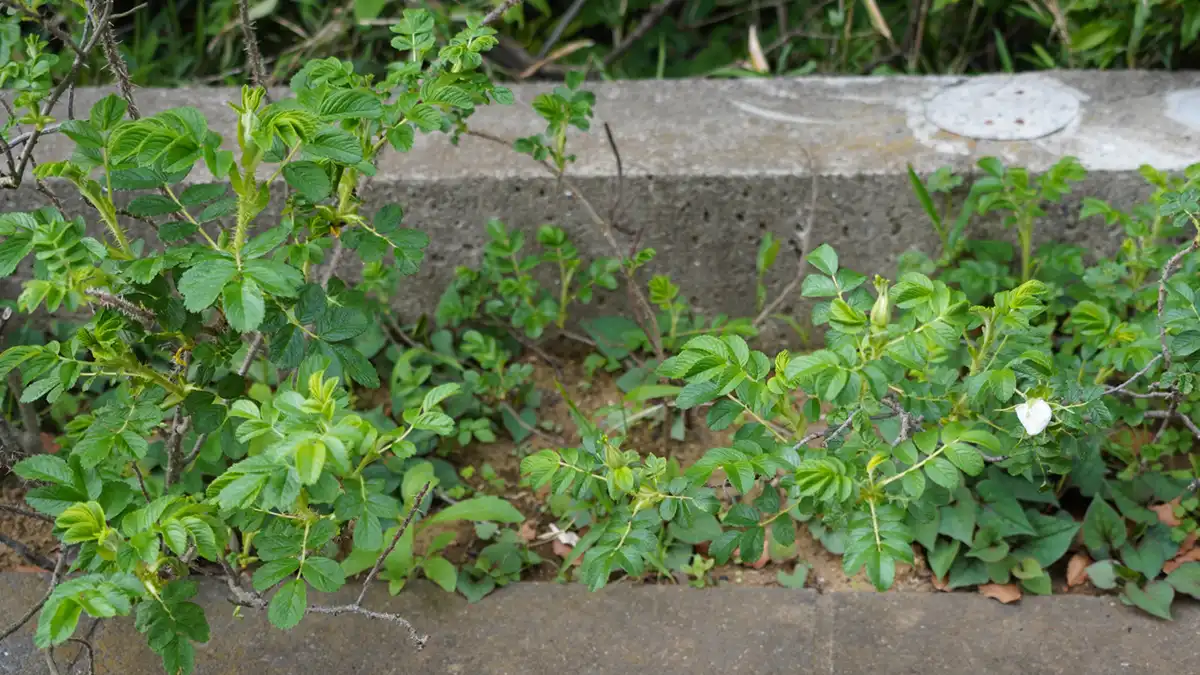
(528, 531)
(1189, 542)
(48, 444)
(1077, 569)
(562, 550)
(1174, 563)
(1005, 593)
(940, 584)
(1166, 513)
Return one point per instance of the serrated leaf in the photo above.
(288, 605)
(309, 179)
(201, 284)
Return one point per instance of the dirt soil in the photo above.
(33, 533)
(596, 396)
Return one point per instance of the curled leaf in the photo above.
(1077, 569)
(1004, 593)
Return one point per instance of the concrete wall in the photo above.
(711, 165)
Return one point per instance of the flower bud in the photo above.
(881, 311)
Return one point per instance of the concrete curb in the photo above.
(712, 165)
(538, 628)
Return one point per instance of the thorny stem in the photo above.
(81, 51)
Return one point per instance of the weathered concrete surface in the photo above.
(712, 165)
(535, 629)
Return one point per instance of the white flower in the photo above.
(1035, 415)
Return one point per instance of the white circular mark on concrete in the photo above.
(1183, 106)
(1004, 108)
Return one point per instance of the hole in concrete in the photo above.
(740, 217)
(541, 192)
(706, 215)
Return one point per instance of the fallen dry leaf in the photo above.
(48, 444)
(940, 584)
(562, 550)
(1189, 542)
(1077, 569)
(528, 531)
(1005, 593)
(1174, 563)
(1166, 513)
(758, 60)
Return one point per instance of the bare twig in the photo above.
(117, 66)
(559, 27)
(27, 553)
(495, 13)
(908, 421)
(137, 471)
(648, 21)
(54, 576)
(416, 506)
(1121, 387)
(335, 257)
(90, 652)
(250, 43)
(800, 243)
(179, 425)
(418, 639)
(614, 213)
(26, 513)
(50, 665)
(13, 181)
(553, 438)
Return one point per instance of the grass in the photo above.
(176, 42)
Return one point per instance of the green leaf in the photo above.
(323, 574)
(202, 193)
(107, 112)
(351, 104)
(438, 394)
(1103, 574)
(152, 205)
(1103, 529)
(309, 179)
(818, 286)
(244, 305)
(440, 571)
(796, 579)
(965, 457)
(942, 556)
(310, 460)
(958, 521)
(1186, 579)
(941, 471)
(48, 468)
(722, 414)
(336, 145)
(356, 366)
(825, 259)
(751, 544)
(1154, 599)
(288, 605)
(341, 323)
(202, 284)
(274, 572)
(479, 508)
